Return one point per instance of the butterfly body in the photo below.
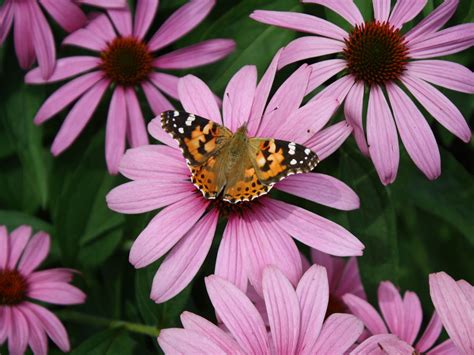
(233, 166)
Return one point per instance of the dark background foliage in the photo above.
(410, 228)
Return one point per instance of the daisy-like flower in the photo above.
(125, 62)
(295, 316)
(403, 316)
(33, 36)
(22, 322)
(378, 55)
(257, 233)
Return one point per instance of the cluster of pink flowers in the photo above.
(267, 296)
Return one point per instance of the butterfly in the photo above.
(233, 166)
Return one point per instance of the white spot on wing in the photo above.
(293, 162)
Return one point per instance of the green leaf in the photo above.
(13, 219)
(107, 342)
(96, 252)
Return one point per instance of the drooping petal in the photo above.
(53, 275)
(366, 313)
(84, 38)
(412, 318)
(322, 71)
(447, 347)
(322, 189)
(392, 308)
(6, 20)
(382, 136)
(157, 132)
(381, 10)
(415, 133)
(37, 335)
(56, 293)
(452, 306)
(170, 226)
(309, 47)
(65, 95)
(382, 344)
(115, 130)
(333, 265)
(122, 20)
(184, 260)
(439, 106)
(238, 314)
(313, 230)
(404, 11)
(167, 83)
(346, 9)
(339, 333)
(431, 334)
(350, 281)
(136, 130)
(338, 90)
(353, 113)
(197, 98)
(78, 117)
(183, 341)
(198, 54)
(66, 13)
(313, 297)
(327, 141)
(144, 15)
(18, 331)
(467, 289)
(180, 23)
(23, 38)
(300, 22)
(4, 247)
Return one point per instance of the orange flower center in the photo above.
(13, 287)
(127, 61)
(376, 53)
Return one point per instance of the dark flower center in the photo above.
(335, 305)
(376, 53)
(127, 61)
(13, 287)
(226, 208)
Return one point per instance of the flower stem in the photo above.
(78, 317)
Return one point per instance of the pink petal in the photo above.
(4, 247)
(392, 308)
(467, 289)
(300, 22)
(346, 9)
(65, 68)
(229, 261)
(447, 74)
(136, 130)
(144, 15)
(18, 240)
(202, 53)
(115, 130)
(431, 334)
(447, 347)
(339, 333)
(366, 313)
(338, 90)
(404, 11)
(66, 13)
(5, 323)
(56, 293)
(6, 20)
(334, 266)
(381, 10)
(383, 344)
(200, 325)
(309, 47)
(101, 27)
(313, 230)
(87, 39)
(261, 94)
(452, 306)
(350, 281)
(183, 341)
(434, 21)
(415, 133)
(52, 325)
(183, 262)
(106, 4)
(439, 106)
(382, 136)
(147, 195)
(122, 20)
(154, 162)
(327, 141)
(78, 117)
(18, 331)
(37, 335)
(22, 35)
(197, 98)
(51, 275)
(322, 71)
(180, 23)
(238, 314)
(157, 132)
(238, 97)
(170, 226)
(353, 114)
(412, 318)
(322, 189)
(313, 296)
(65, 95)
(448, 41)
(166, 83)
(35, 252)
(283, 310)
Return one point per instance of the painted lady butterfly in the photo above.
(232, 164)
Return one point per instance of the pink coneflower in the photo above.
(22, 322)
(296, 320)
(125, 61)
(454, 303)
(32, 34)
(377, 54)
(257, 233)
(403, 316)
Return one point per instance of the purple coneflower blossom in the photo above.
(257, 233)
(454, 303)
(296, 319)
(22, 322)
(125, 62)
(33, 36)
(403, 316)
(378, 55)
